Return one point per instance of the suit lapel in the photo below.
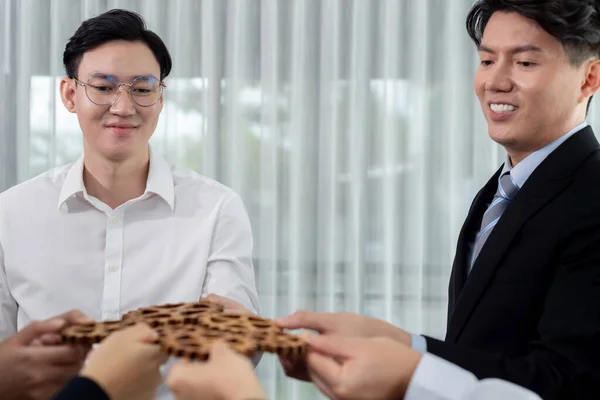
(548, 180)
(466, 236)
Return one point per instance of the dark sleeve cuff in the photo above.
(82, 388)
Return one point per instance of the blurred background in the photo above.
(349, 128)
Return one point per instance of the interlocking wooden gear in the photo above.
(241, 323)
(189, 329)
(194, 342)
(92, 332)
(173, 314)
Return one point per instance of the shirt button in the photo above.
(112, 268)
(114, 220)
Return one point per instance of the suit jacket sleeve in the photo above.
(82, 388)
(437, 379)
(557, 365)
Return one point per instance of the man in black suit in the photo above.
(524, 298)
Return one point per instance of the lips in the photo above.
(501, 111)
(121, 129)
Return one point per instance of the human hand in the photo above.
(32, 370)
(342, 324)
(225, 376)
(350, 368)
(230, 306)
(126, 364)
(53, 338)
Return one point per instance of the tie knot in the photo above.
(507, 187)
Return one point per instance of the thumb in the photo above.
(180, 378)
(323, 371)
(36, 329)
(141, 332)
(220, 349)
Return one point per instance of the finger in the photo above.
(215, 298)
(181, 377)
(229, 305)
(306, 320)
(323, 368)
(50, 339)
(57, 377)
(75, 317)
(56, 355)
(334, 345)
(143, 333)
(138, 333)
(36, 329)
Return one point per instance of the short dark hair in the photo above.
(575, 23)
(114, 25)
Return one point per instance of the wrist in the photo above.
(399, 335)
(410, 360)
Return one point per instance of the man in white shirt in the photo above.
(119, 228)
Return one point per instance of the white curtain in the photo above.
(349, 128)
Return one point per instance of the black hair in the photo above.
(114, 25)
(575, 23)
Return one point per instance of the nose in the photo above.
(123, 104)
(499, 79)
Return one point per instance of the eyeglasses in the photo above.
(103, 90)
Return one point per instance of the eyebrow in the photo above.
(515, 50)
(96, 73)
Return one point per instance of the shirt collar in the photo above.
(160, 179)
(159, 182)
(521, 172)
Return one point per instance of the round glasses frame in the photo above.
(130, 85)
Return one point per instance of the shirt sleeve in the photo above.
(82, 388)
(419, 343)
(8, 305)
(230, 272)
(438, 379)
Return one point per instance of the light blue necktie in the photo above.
(507, 189)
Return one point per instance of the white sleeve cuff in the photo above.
(437, 379)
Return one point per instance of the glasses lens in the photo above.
(101, 89)
(146, 90)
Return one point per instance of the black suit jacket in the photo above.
(529, 312)
(80, 388)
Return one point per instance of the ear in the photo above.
(68, 88)
(160, 104)
(591, 81)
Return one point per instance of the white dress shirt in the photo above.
(438, 379)
(60, 248)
